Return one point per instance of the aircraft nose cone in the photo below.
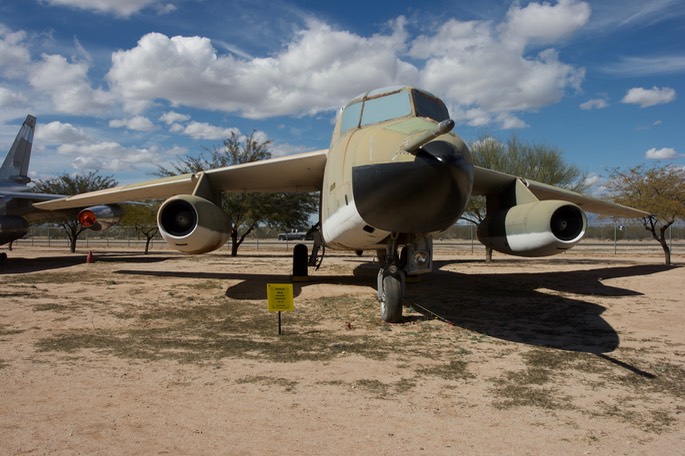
(420, 196)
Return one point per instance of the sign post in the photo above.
(280, 299)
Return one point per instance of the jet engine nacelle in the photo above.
(101, 217)
(192, 224)
(12, 227)
(539, 228)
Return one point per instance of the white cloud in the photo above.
(595, 103)
(201, 130)
(593, 179)
(165, 8)
(109, 156)
(595, 185)
(644, 66)
(68, 86)
(137, 123)
(171, 117)
(321, 69)
(666, 153)
(11, 98)
(484, 70)
(59, 133)
(649, 97)
(483, 65)
(509, 122)
(84, 153)
(176, 128)
(102, 148)
(14, 54)
(260, 136)
(121, 8)
(543, 22)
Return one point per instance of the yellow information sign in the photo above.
(280, 297)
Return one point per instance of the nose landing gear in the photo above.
(391, 293)
(415, 258)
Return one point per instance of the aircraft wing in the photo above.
(35, 197)
(487, 181)
(292, 173)
(22, 205)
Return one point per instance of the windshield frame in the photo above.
(391, 103)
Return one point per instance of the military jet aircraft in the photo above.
(394, 176)
(16, 209)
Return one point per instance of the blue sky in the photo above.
(121, 85)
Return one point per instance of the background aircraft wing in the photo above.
(487, 181)
(292, 173)
(29, 196)
(22, 205)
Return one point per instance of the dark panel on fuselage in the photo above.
(425, 195)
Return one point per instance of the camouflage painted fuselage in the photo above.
(374, 187)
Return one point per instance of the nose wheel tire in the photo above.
(390, 295)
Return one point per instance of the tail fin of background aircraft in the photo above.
(16, 165)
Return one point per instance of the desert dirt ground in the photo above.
(170, 354)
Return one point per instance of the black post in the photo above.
(300, 259)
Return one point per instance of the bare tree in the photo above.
(659, 190)
(143, 219)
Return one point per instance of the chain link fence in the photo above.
(617, 236)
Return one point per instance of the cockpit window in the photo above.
(385, 108)
(381, 108)
(430, 107)
(350, 117)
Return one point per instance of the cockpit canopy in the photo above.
(391, 103)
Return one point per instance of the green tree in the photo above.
(247, 210)
(534, 161)
(66, 184)
(143, 219)
(659, 190)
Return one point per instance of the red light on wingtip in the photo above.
(86, 218)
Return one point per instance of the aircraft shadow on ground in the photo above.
(253, 285)
(18, 265)
(535, 308)
(15, 265)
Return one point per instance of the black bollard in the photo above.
(300, 260)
